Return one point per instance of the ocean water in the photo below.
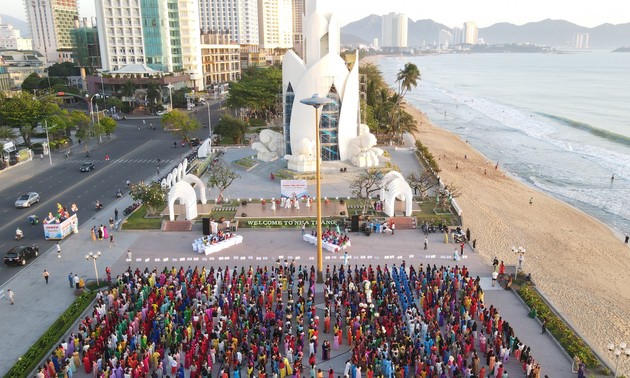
(557, 122)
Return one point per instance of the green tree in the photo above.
(257, 90)
(82, 123)
(179, 97)
(64, 69)
(21, 110)
(129, 90)
(115, 102)
(407, 78)
(153, 196)
(31, 83)
(180, 123)
(221, 176)
(231, 127)
(365, 185)
(107, 125)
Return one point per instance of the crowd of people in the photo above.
(334, 237)
(405, 321)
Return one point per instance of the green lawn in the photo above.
(137, 221)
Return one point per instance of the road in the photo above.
(133, 156)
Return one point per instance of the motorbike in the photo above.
(18, 234)
(87, 154)
(119, 194)
(33, 220)
(98, 206)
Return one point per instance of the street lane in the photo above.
(133, 155)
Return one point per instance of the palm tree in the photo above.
(129, 90)
(406, 78)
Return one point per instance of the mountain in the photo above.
(21, 25)
(555, 33)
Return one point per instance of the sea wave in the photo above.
(602, 133)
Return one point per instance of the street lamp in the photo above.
(317, 102)
(618, 350)
(100, 140)
(521, 258)
(94, 257)
(209, 124)
(170, 94)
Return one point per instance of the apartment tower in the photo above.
(51, 22)
(238, 18)
(275, 25)
(394, 30)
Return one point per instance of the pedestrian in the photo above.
(461, 250)
(495, 263)
(544, 326)
(46, 275)
(495, 275)
(116, 214)
(11, 296)
(426, 242)
(70, 279)
(93, 233)
(626, 240)
(58, 250)
(345, 258)
(468, 234)
(111, 241)
(129, 256)
(303, 228)
(77, 281)
(111, 223)
(393, 227)
(106, 157)
(531, 200)
(158, 170)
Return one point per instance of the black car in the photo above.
(19, 255)
(194, 142)
(86, 167)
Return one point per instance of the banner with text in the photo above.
(293, 188)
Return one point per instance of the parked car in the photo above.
(161, 112)
(27, 199)
(20, 255)
(195, 142)
(86, 167)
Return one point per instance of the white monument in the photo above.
(395, 187)
(362, 151)
(270, 145)
(185, 187)
(322, 71)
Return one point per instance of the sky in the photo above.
(451, 13)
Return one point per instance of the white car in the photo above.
(161, 112)
(27, 199)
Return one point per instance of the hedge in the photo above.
(50, 339)
(567, 338)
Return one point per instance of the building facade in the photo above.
(20, 64)
(5, 78)
(298, 20)
(275, 24)
(10, 39)
(85, 47)
(51, 22)
(471, 33)
(580, 40)
(163, 34)
(220, 58)
(238, 18)
(394, 30)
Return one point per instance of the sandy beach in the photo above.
(579, 264)
(575, 260)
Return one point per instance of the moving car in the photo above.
(27, 199)
(195, 142)
(86, 167)
(19, 255)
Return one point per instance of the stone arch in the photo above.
(200, 187)
(186, 194)
(395, 188)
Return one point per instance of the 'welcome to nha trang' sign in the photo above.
(283, 223)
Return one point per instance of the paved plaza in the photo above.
(37, 304)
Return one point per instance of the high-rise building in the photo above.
(86, 50)
(580, 40)
(298, 20)
(162, 34)
(394, 30)
(221, 59)
(238, 18)
(444, 39)
(275, 24)
(458, 36)
(51, 22)
(470, 33)
(10, 39)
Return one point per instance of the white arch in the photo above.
(395, 187)
(200, 187)
(186, 194)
